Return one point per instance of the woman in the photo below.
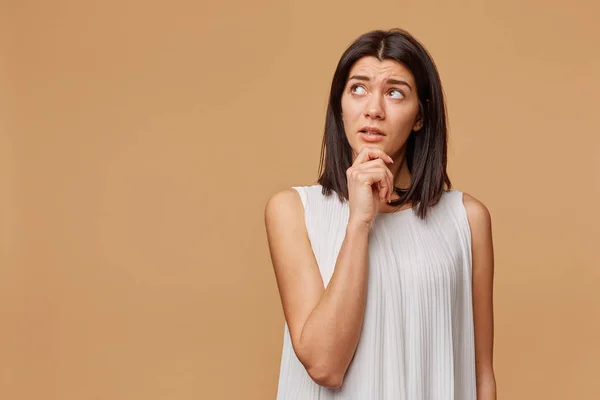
(385, 273)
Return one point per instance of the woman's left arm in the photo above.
(483, 310)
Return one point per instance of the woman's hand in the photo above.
(369, 181)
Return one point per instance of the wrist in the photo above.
(358, 226)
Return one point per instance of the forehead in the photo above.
(380, 69)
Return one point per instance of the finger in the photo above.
(389, 177)
(369, 153)
(376, 163)
(385, 189)
(376, 176)
(387, 184)
(382, 191)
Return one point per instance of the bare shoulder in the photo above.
(284, 204)
(284, 218)
(478, 214)
(480, 223)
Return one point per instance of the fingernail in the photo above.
(391, 160)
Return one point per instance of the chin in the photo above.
(380, 146)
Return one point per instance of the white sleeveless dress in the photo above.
(417, 339)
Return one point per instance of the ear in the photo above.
(419, 124)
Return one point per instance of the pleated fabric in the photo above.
(417, 340)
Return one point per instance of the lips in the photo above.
(370, 130)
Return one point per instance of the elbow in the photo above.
(326, 377)
(324, 371)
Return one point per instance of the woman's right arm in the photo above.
(324, 324)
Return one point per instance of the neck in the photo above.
(402, 179)
(402, 176)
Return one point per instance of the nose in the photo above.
(374, 108)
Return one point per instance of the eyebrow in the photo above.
(391, 81)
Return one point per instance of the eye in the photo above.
(396, 94)
(356, 87)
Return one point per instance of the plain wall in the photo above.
(140, 140)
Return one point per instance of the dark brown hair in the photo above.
(426, 150)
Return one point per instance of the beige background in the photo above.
(140, 140)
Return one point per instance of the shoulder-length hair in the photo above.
(426, 149)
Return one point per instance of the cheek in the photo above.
(350, 110)
(403, 119)
(350, 116)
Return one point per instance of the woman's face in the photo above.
(380, 97)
